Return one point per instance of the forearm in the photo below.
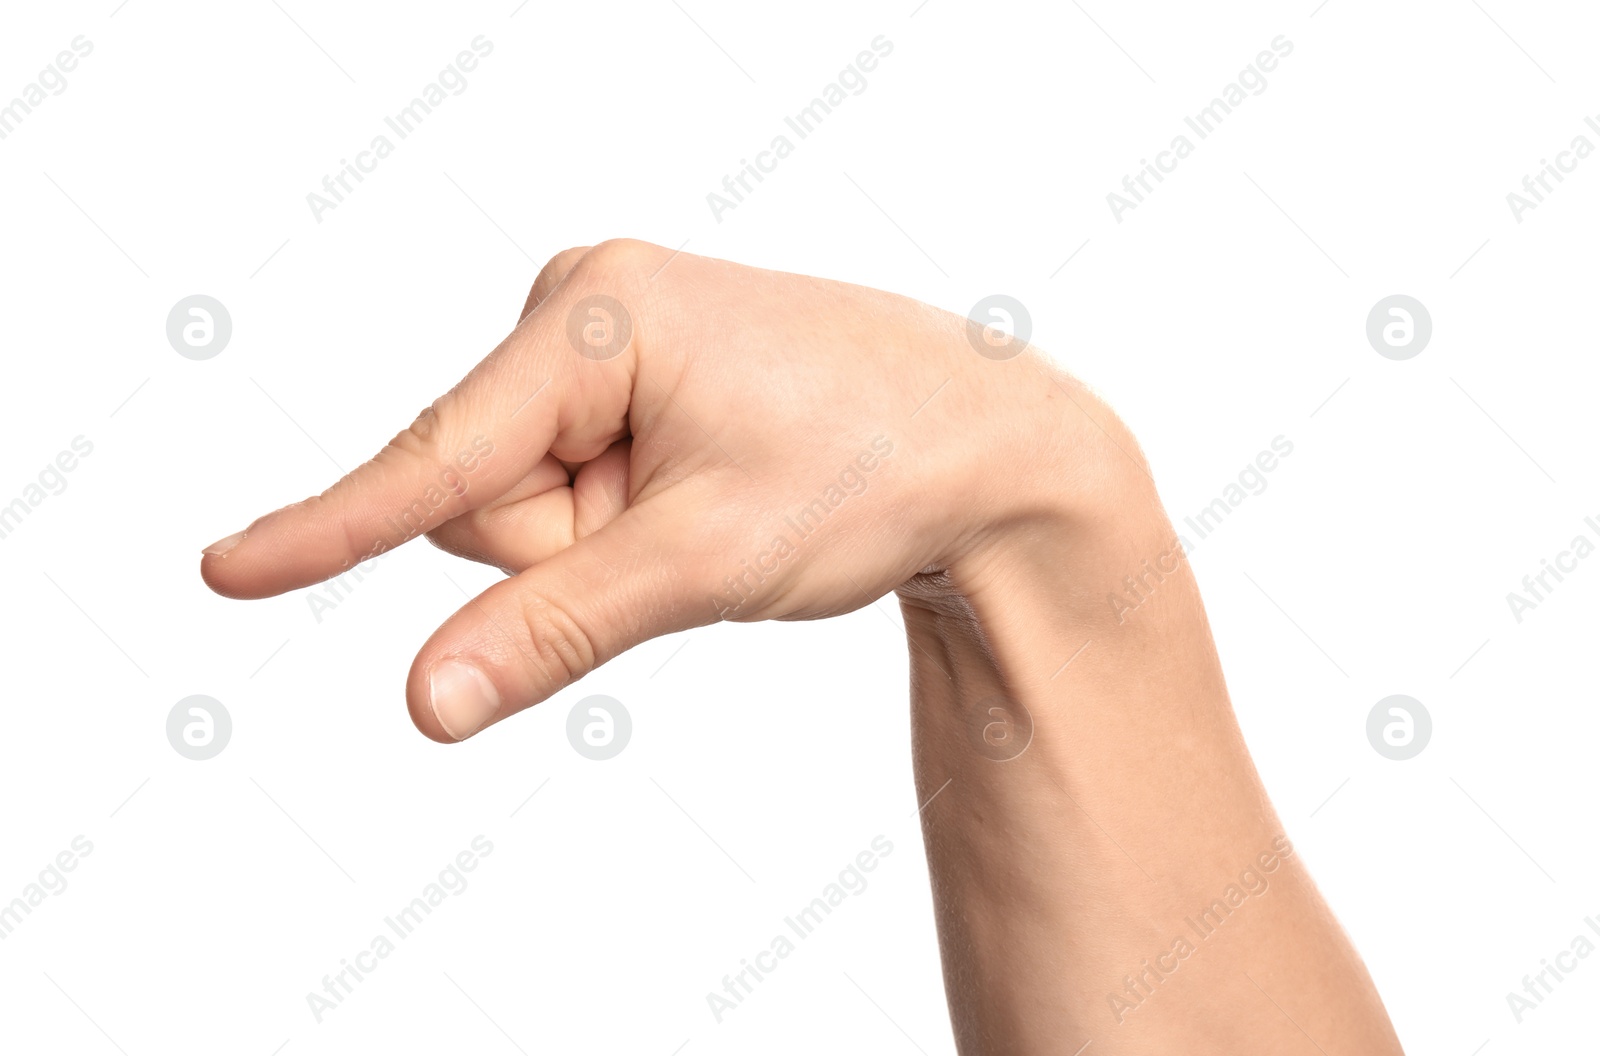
(1075, 869)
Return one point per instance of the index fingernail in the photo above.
(222, 546)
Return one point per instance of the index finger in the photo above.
(540, 391)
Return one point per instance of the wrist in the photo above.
(1070, 514)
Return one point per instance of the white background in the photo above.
(1226, 310)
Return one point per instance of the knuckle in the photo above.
(561, 649)
(449, 538)
(622, 256)
(420, 436)
(435, 440)
(417, 457)
(556, 268)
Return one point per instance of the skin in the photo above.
(1087, 791)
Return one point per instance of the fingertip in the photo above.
(451, 699)
(216, 571)
(238, 574)
(232, 565)
(421, 708)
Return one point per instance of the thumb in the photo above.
(523, 639)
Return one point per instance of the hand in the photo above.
(667, 440)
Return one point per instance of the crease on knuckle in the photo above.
(561, 647)
(556, 268)
(420, 438)
(359, 546)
